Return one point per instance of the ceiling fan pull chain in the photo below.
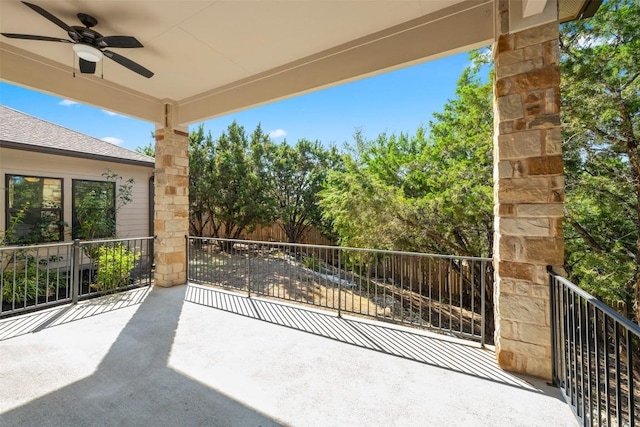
(102, 70)
(73, 63)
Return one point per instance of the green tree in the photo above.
(147, 150)
(201, 148)
(228, 190)
(425, 192)
(295, 175)
(601, 119)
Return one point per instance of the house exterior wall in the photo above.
(132, 220)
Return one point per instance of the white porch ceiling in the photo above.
(213, 57)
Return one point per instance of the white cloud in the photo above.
(278, 133)
(112, 140)
(67, 103)
(111, 113)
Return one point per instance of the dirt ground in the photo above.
(277, 275)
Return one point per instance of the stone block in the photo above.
(518, 169)
(511, 248)
(505, 170)
(533, 51)
(505, 127)
(503, 71)
(542, 121)
(551, 52)
(539, 367)
(544, 250)
(552, 101)
(533, 334)
(510, 57)
(505, 43)
(522, 309)
(510, 107)
(162, 268)
(534, 96)
(506, 209)
(523, 190)
(175, 226)
(546, 210)
(541, 78)
(544, 165)
(520, 145)
(553, 141)
(535, 36)
(506, 360)
(515, 270)
(540, 291)
(525, 227)
(533, 109)
(523, 348)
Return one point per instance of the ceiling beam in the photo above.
(456, 29)
(29, 70)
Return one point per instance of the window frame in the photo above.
(11, 211)
(74, 223)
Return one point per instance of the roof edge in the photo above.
(60, 152)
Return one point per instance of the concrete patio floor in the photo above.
(195, 356)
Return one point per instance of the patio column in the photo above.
(171, 201)
(528, 192)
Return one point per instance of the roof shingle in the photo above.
(20, 128)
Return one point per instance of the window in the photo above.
(34, 209)
(94, 209)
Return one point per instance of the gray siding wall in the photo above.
(132, 219)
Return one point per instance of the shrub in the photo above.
(312, 263)
(26, 280)
(114, 267)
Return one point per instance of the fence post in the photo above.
(75, 286)
(339, 282)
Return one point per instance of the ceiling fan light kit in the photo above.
(86, 52)
(89, 45)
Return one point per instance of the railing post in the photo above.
(483, 284)
(186, 238)
(75, 286)
(248, 272)
(552, 321)
(339, 283)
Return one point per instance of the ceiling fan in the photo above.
(88, 44)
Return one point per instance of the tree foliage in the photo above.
(295, 175)
(226, 190)
(421, 192)
(601, 118)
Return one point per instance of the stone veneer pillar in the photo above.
(171, 202)
(529, 195)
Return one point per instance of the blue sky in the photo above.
(394, 102)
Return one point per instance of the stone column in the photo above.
(171, 202)
(529, 195)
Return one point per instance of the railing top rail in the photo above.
(383, 251)
(635, 329)
(128, 239)
(42, 246)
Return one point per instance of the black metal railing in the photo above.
(447, 293)
(596, 357)
(39, 276)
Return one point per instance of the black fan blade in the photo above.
(32, 37)
(87, 67)
(127, 63)
(119, 41)
(50, 17)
